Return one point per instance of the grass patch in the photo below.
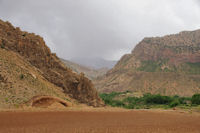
(193, 68)
(150, 66)
(155, 66)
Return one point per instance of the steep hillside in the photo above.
(168, 65)
(20, 81)
(33, 50)
(89, 72)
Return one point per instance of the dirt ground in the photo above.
(136, 121)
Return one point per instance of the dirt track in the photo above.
(99, 122)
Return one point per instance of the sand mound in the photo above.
(48, 101)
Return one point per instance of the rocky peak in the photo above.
(177, 48)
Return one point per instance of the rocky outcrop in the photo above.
(34, 50)
(178, 48)
(168, 65)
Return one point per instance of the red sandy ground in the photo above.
(137, 121)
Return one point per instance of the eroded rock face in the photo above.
(178, 48)
(167, 65)
(34, 50)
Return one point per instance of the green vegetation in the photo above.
(158, 66)
(196, 99)
(6, 99)
(193, 68)
(21, 76)
(150, 66)
(3, 44)
(154, 66)
(148, 101)
(109, 99)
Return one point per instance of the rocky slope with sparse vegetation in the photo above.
(166, 65)
(20, 81)
(28, 68)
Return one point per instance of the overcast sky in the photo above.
(100, 28)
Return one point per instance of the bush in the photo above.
(157, 99)
(108, 98)
(196, 99)
(21, 76)
(184, 100)
(174, 103)
(129, 106)
(6, 99)
(117, 103)
(2, 46)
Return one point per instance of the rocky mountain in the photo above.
(168, 65)
(89, 72)
(28, 68)
(94, 63)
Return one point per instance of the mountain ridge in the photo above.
(166, 65)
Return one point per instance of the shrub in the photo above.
(108, 98)
(129, 106)
(17, 105)
(2, 46)
(21, 76)
(174, 103)
(184, 100)
(24, 34)
(134, 100)
(6, 99)
(157, 99)
(196, 99)
(117, 103)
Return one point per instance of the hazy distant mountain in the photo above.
(168, 65)
(89, 72)
(95, 63)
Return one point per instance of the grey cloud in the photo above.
(100, 28)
